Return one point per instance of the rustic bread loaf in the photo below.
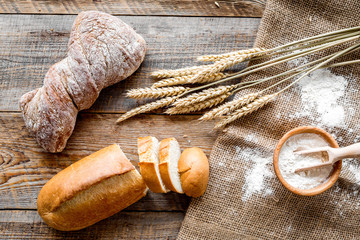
(148, 149)
(194, 171)
(169, 153)
(90, 190)
(102, 51)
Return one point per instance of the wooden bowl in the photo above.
(334, 175)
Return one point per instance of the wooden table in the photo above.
(34, 35)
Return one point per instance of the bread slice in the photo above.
(148, 149)
(169, 153)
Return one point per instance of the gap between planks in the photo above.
(237, 8)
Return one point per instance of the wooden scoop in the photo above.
(335, 154)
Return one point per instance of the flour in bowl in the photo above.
(289, 161)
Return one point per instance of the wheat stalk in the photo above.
(177, 72)
(147, 108)
(251, 102)
(199, 106)
(214, 58)
(155, 92)
(229, 107)
(186, 79)
(203, 95)
(249, 108)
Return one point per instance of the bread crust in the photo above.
(165, 176)
(90, 190)
(194, 171)
(149, 175)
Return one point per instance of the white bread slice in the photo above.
(169, 153)
(148, 149)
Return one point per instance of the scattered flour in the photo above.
(321, 92)
(251, 138)
(256, 175)
(298, 61)
(353, 168)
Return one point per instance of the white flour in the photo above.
(257, 174)
(289, 161)
(321, 93)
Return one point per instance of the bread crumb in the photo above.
(185, 136)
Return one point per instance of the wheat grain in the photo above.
(199, 106)
(249, 108)
(214, 77)
(221, 65)
(177, 72)
(216, 67)
(186, 79)
(229, 107)
(155, 92)
(203, 95)
(214, 58)
(172, 81)
(147, 108)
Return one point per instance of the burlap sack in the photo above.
(227, 210)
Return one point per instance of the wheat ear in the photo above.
(229, 107)
(155, 92)
(219, 66)
(216, 67)
(214, 58)
(202, 96)
(199, 106)
(177, 72)
(186, 79)
(147, 108)
(249, 108)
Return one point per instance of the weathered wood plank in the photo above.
(30, 44)
(241, 8)
(124, 225)
(25, 167)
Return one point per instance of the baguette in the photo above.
(194, 171)
(148, 149)
(90, 190)
(169, 153)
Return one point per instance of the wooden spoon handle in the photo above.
(313, 167)
(347, 152)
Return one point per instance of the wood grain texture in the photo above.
(25, 167)
(239, 8)
(124, 225)
(30, 44)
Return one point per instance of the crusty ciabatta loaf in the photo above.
(102, 51)
(148, 149)
(169, 153)
(194, 171)
(90, 190)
